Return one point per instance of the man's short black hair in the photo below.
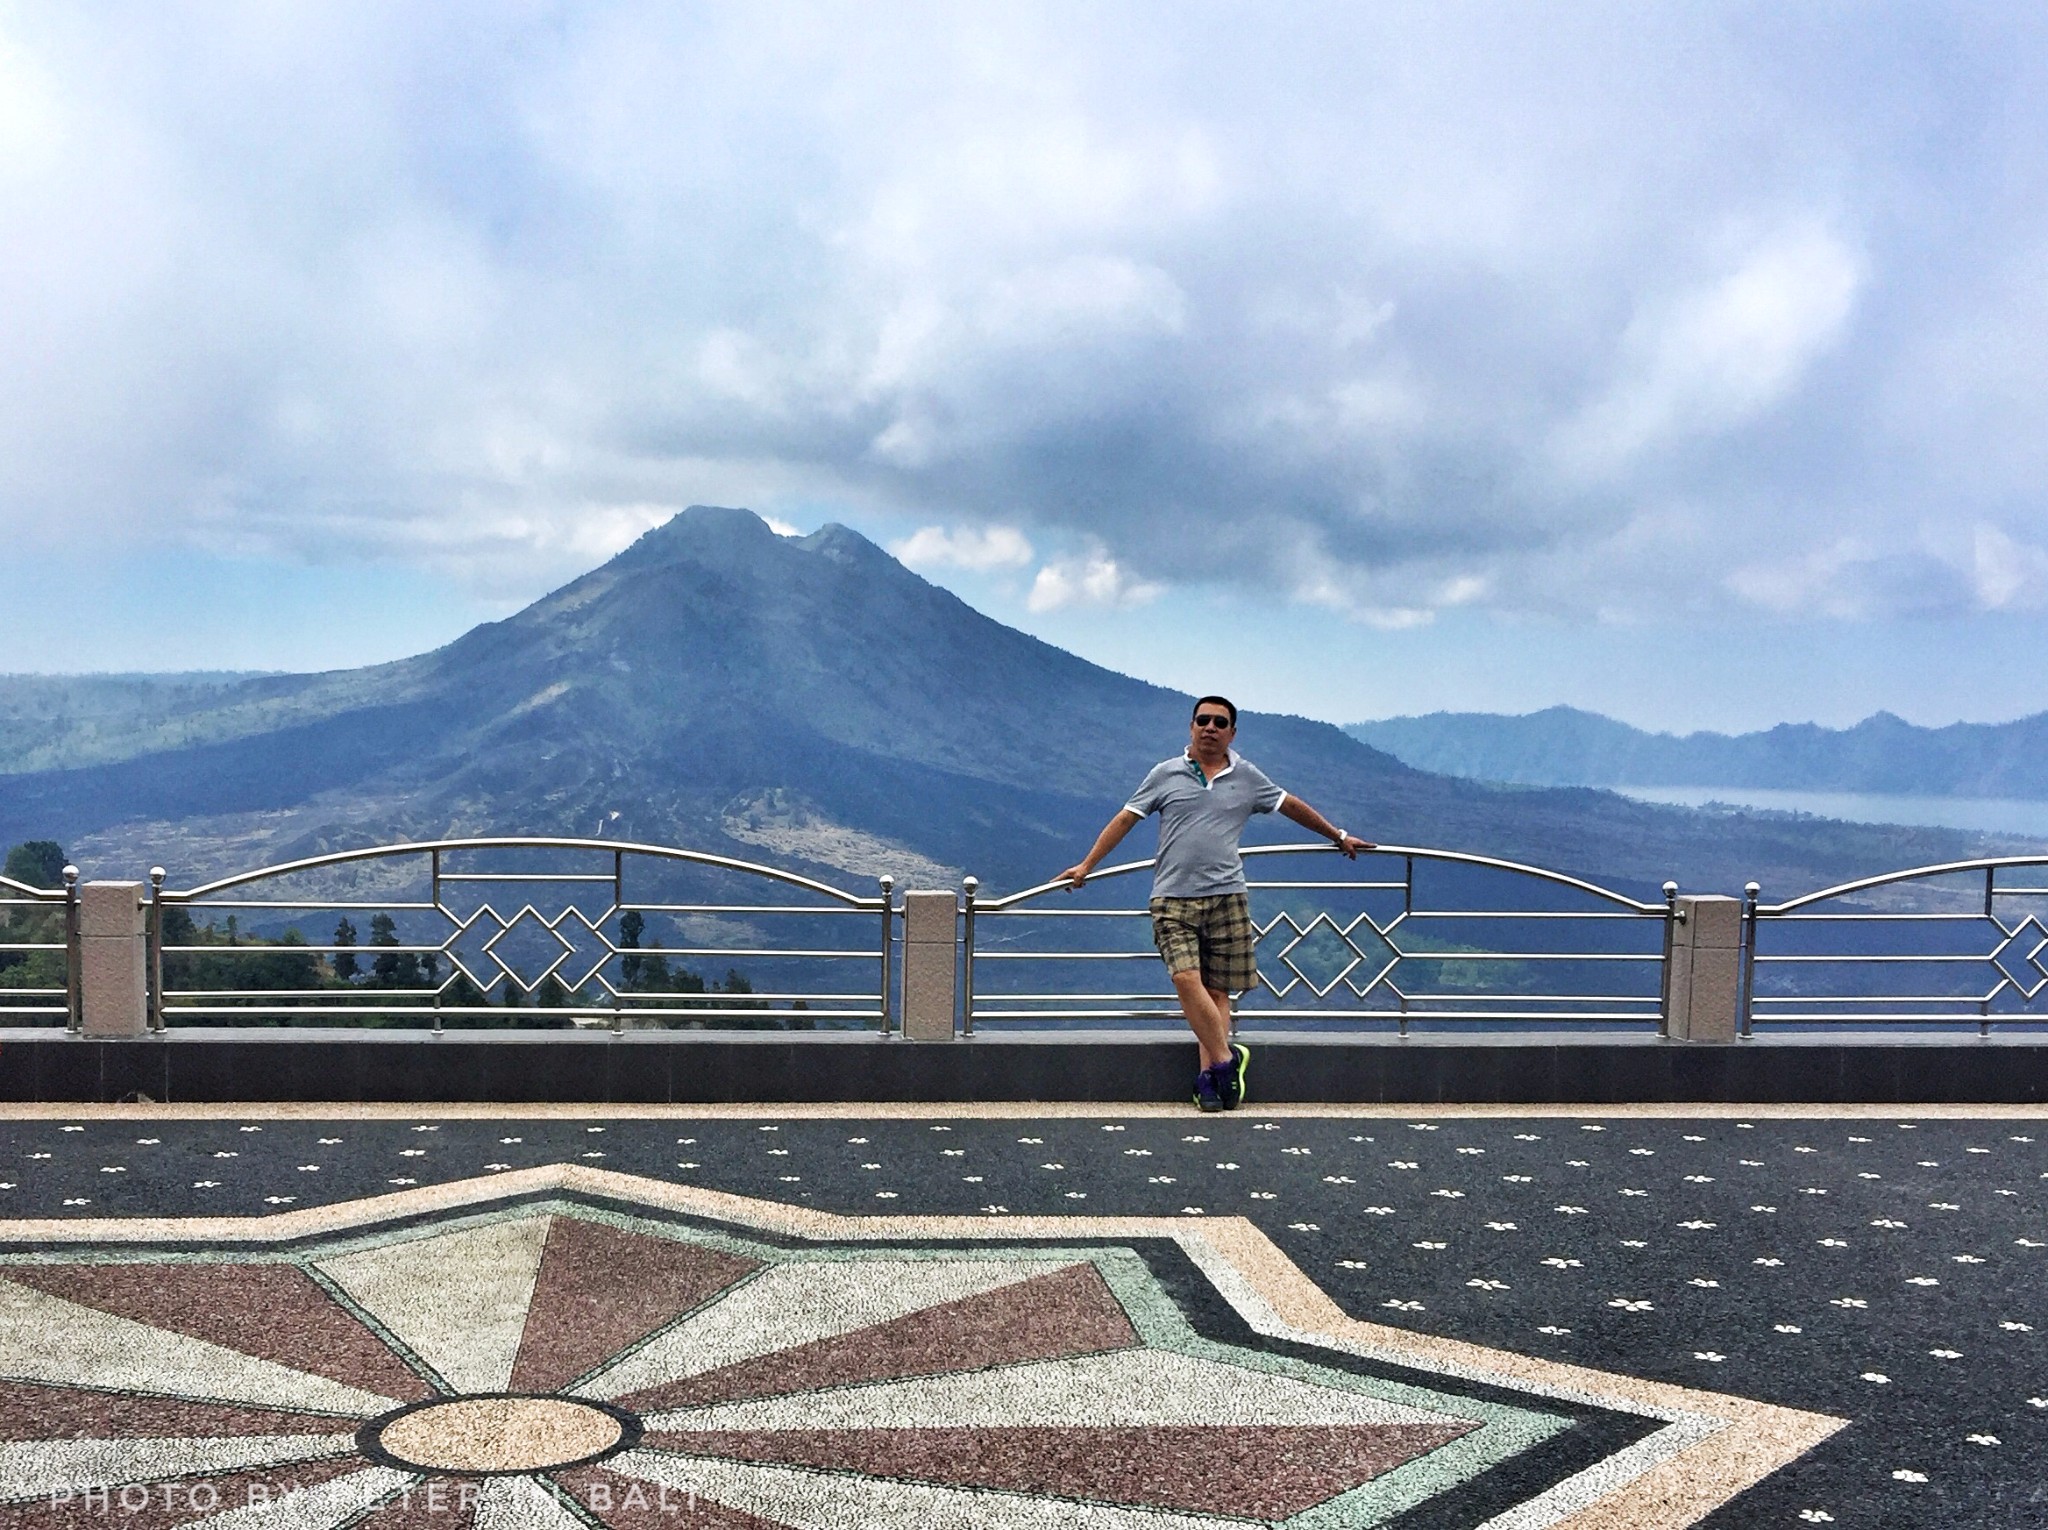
(1222, 701)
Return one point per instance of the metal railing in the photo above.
(1934, 945)
(1372, 946)
(39, 967)
(494, 931)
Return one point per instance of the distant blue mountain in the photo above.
(805, 701)
(1566, 747)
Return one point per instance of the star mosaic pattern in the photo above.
(1883, 1270)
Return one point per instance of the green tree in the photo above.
(345, 965)
(631, 925)
(38, 862)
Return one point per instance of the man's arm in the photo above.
(1111, 836)
(1316, 823)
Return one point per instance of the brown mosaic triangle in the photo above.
(1048, 1317)
(599, 1289)
(1252, 1471)
(31, 1411)
(276, 1312)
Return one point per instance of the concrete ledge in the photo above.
(699, 1067)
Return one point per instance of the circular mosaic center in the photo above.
(500, 1434)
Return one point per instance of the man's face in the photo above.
(1205, 735)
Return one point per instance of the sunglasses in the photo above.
(1212, 720)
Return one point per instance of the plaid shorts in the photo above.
(1214, 934)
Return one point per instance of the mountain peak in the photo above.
(699, 530)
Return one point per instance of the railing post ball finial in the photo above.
(1751, 889)
(1670, 891)
(156, 876)
(70, 876)
(970, 886)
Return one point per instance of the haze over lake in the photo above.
(1990, 815)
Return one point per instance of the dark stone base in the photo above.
(194, 1067)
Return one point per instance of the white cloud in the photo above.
(1094, 579)
(985, 548)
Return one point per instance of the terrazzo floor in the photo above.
(1138, 1320)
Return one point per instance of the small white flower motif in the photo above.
(870, 1166)
(1192, 1211)
(1353, 1264)
(1159, 1179)
(1767, 1260)
(1976, 1150)
(1077, 1195)
(1379, 1211)
(1449, 1195)
(1298, 1152)
(1709, 1356)
(1501, 1227)
(996, 1211)
(971, 1179)
(70, 1128)
(205, 1184)
(1564, 1264)
(1765, 1209)
(1633, 1243)
(1128, 1152)
(1471, 1152)
(497, 1167)
(1359, 1139)
(948, 1128)
(279, 1200)
(1859, 1139)
(790, 1179)
(1339, 1179)
(2029, 1243)
(1527, 1137)
(522, 1139)
(1751, 1163)
(324, 1141)
(1420, 1126)
(772, 1153)
(1264, 1195)
(1813, 1190)
(860, 1140)
(1040, 1141)
(1786, 1328)
(1695, 1139)
(600, 1128)
(1887, 1222)
(1877, 1378)
(217, 1155)
(689, 1166)
(1488, 1285)
(1805, 1150)
(1429, 1245)
(1870, 1176)
(1701, 1281)
(401, 1180)
(1922, 1280)
(1577, 1163)
(78, 1200)
(1699, 1226)
(1643, 1152)
(2019, 1139)
(1047, 1166)
(962, 1152)
(1817, 1516)
(1632, 1192)
(1515, 1179)
(1402, 1165)
(1592, 1128)
(1699, 1179)
(1847, 1301)
(1983, 1439)
(1554, 1332)
(407, 1153)
(1570, 1211)
(2005, 1192)
(1946, 1354)
(2017, 1327)
(1903, 1475)
(1226, 1166)
(1627, 1304)
(885, 1195)
(1943, 1206)
(2037, 1402)
(1965, 1259)
(1274, 1126)
(153, 1141)
(115, 1168)
(1304, 1227)
(309, 1168)
(758, 1128)
(1401, 1306)
(1832, 1243)
(416, 1128)
(1184, 1139)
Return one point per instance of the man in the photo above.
(1201, 914)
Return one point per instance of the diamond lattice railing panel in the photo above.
(468, 948)
(589, 947)
(2018, 957)
(1321, 954)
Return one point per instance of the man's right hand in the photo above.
(1073, 876)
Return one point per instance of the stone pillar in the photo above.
(112, 959)
(1703, 976)
(930, 947)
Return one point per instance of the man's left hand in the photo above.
(1351, 844)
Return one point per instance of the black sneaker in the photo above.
(1230, 1076)
(1207, 1098)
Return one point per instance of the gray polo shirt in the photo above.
(1201, 819)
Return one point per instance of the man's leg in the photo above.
(1208, 1015)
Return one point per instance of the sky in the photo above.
(1685, 363)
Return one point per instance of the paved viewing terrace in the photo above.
(1134, 1318)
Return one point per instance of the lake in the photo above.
(1997, 815)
